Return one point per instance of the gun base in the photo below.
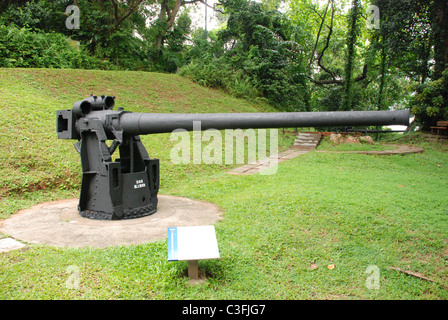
(128, 214)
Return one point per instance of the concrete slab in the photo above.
(10, 244)
(305, 142)
(263, 164)
(59, 223)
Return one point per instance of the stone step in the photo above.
(307, 140)
(305, 144)
(299, 147)
(308, 134)
(306, 137)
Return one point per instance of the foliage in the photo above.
(352, 35)
(406, 31)
(430, 103)
(38, 15)
(341, 57)
(315, 55)
(415, 34)
(219, 74)
(256, 55)
(24, 48)
(382, 65)
(102, 32)
(171, 57)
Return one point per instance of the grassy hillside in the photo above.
(313, 230)
(36, 166)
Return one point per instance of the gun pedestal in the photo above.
(110, 190)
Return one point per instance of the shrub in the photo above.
(430, 103)
(219, 74)
(24, 48)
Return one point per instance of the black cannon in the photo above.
(127, 187)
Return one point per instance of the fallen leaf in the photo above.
(401, 186)
(314, 266)
(330, 267)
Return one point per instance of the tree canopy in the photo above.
(298, 55)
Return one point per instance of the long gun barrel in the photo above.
(147, 123)
(127, 188)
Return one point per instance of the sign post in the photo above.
(192, 244)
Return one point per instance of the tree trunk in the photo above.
(383, 75)
(440, 29)
(166, 21)
(351, 41)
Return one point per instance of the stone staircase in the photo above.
(307, 141)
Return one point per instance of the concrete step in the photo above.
(305, 137)
(307, 134)
(305, 144)
(307, 141)
(300, 147)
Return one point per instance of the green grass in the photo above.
(347, 210)
(328, 145)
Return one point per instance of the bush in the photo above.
(219, 74)
(24, 48)
(430, 103)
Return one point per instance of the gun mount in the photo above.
(127, 187)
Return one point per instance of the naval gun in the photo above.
(127, 187)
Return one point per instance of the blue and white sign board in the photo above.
(192, 243)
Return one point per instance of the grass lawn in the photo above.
(310, 231)
(328, 145)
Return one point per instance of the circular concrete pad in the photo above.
(58, 223)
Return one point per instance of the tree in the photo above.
(169, 10)
(352, 35)
(262, 44)
(339, 58)
(429, 104)
(439, 24)
(406, 33)
(107, 26)
(255, 54)
(415, 34)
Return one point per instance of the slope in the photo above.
(36, 166)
